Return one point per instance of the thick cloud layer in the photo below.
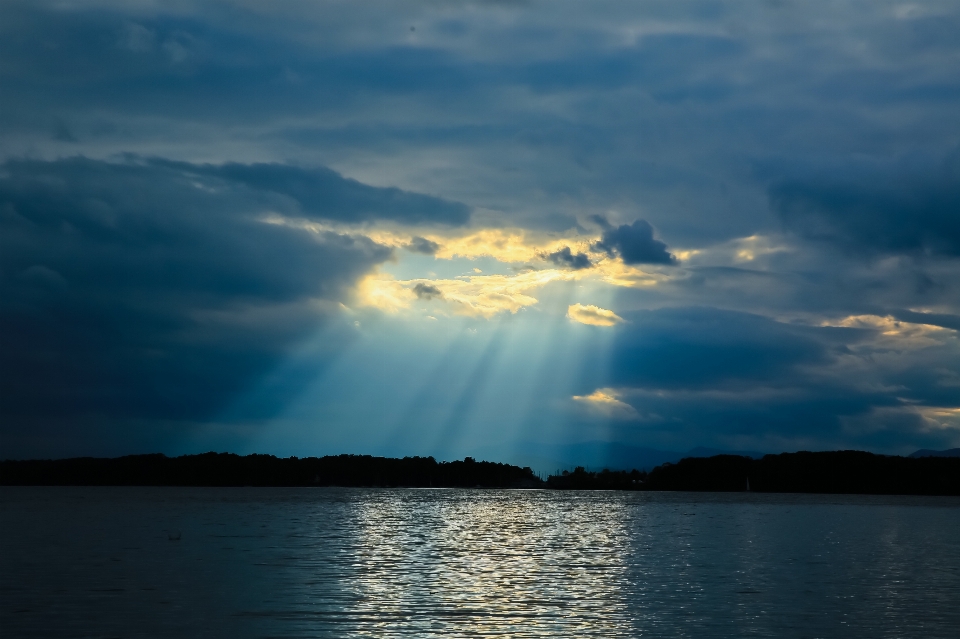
(709, 348)
(733, 377)
(775, 184)
(148, 290)
(325, 194)
(890, 212)
(542, 116)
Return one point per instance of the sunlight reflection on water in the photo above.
(429, 563)
(495, 564)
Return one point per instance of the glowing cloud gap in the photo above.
(896, 333)
(605, 402)
(471, 295)
(593, 315)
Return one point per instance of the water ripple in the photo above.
(471, 563)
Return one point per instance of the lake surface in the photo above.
(330, 562)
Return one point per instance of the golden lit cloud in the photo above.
(933, 418)
(742, 251)
(509, 246)
(605, 402)
(940, 417)
(747, 249)
(385, 293)
(503, 245)
(479, 294)
(896, 333)
(592, 315)
(616, 273)
(473, 295)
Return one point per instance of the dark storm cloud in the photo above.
(323, 193)
(942, 320)
(147, 290)
(422, 245)
(309, 80)
(726, 376)
(886, 213)
(427, 291)
(707, 347)
(635, 244)
(170, 64)
(568, 259)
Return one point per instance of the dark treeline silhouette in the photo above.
(845, 471)
(826, 472)
(582, 479)
(226, 469)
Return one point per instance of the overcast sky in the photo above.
(478, 228)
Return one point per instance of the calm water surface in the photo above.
(254, 562)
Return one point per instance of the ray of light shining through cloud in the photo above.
(503, 230)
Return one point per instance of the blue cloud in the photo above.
(422, 245)
(144, 291)
(885, 213)
(708, 347)
(709, 375)
(566, 258)
(635, 244)
(323, 193)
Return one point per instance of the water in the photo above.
(253, 562)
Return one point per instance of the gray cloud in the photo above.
(943, 320)
(427, 291)
(568, 259)
(708, 347)
(133, 291)
(422, 245)
(635, 244)
(322, 193)
(877, 213)
(722, 376)
(347, 88)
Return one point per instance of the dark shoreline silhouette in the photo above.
(836, 472)
(228, 469)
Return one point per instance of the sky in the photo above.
(495, 228)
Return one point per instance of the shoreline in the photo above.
(833, 472)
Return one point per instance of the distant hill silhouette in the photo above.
(924, 452)
(700, 451)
